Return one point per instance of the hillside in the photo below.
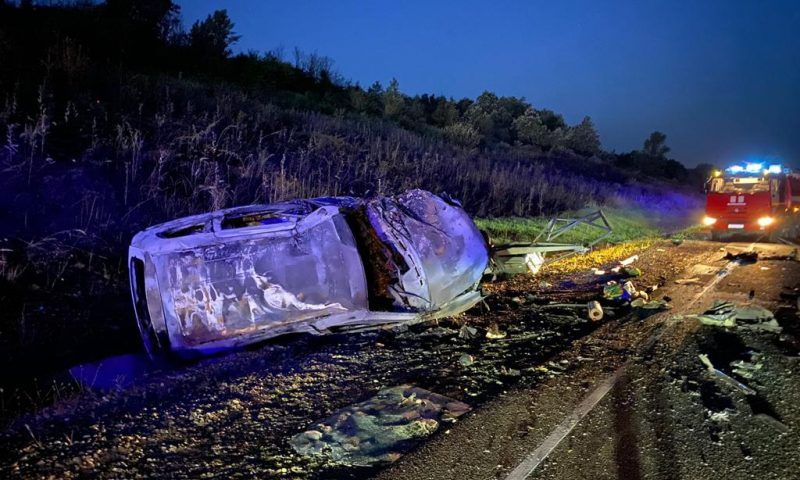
(114, 118)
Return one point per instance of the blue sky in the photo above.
(721, 78)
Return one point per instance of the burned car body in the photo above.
(236, 276)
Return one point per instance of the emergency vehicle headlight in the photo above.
(708, 221)
(765, 221)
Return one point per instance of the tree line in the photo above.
(149, 36)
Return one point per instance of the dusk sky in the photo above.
(721, 78)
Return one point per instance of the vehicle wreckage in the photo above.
(233, 277)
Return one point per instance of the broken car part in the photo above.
(517, 258)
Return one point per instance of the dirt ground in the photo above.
(665, 417)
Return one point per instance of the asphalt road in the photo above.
(663, 415)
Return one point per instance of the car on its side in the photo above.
(228, 278)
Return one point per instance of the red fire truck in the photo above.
(755, 199)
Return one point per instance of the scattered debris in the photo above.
(650, 304)
(518, 258)
(379, 430)
(745, 369)
(720, 416)
(494, 333)
(742, 257)
(466, 360)
(594, 311)
(467, 333)
(722, 376)
(727, 314)
(632, 272)
(687, 281)
(613, 291)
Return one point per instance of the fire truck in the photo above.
(753, 199)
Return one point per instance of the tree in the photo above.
(393, 101)
(373, 100)
(530, 129)
(214, 35)
(446, 113)
(552, 120)
(494, 116)
(655, 145)
(583, 137)
(463, 134)
(157, 18)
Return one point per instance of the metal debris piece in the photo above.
(518, 258)
(379, 430)
(722, 376)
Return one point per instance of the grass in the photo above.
(598, 258)
(627, 225)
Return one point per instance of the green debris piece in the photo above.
(753, 313)
(632, 272)
(612, 291)
(650, 305)
(379, 430)
(728, 314)
(466, 359)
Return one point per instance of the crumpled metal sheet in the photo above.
(445, 252)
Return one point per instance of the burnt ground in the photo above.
(232, 416)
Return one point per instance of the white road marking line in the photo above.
(564, 428)
(534, 459)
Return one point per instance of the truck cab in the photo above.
(752, 199)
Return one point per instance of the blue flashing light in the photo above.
(775, 169)
(735, 169)
(754, 167)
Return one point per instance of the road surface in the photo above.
(559, 397)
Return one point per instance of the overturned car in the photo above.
(233, 277)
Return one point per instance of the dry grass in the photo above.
(600, 257)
